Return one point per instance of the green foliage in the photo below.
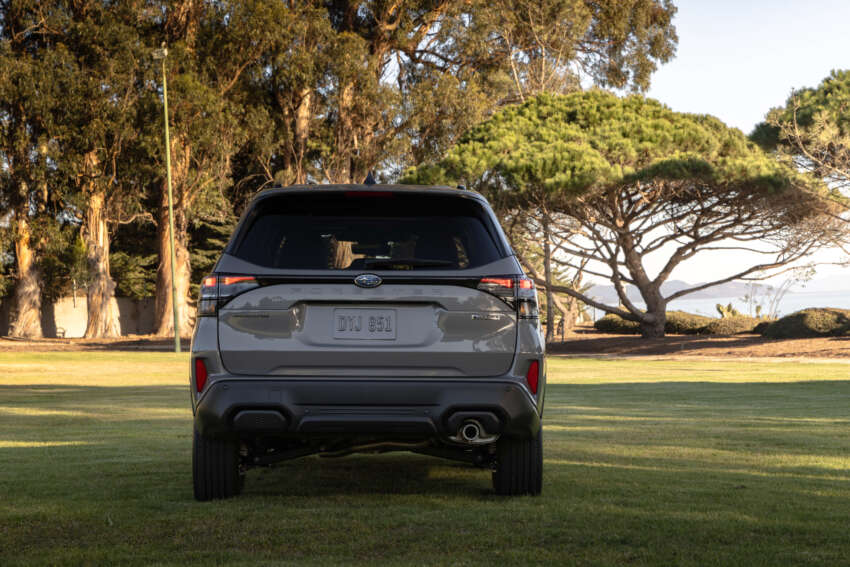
(732, 325)
(682, 323)
(63, 259)
(810, 323)
(828, 104)
(615, 166)
(563, 147)
(208, 240)
(612, 323)
(133, 260)
(678, 323)
(812, 131)
(7, 262)
(134, 274)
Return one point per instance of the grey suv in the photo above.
(367, 318)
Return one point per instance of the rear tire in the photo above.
(215, 468)
(519, 466)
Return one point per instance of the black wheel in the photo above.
(215, 468)
(519, 466)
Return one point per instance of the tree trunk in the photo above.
(346, 147)
(26, 321)
(656, 307)
(547, 275)
(302, 132)
(183, 273)
(103, 320)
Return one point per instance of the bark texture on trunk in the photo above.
(656, 308)
(183, 273)
(103, 316)
(345, 135)
(26, 319)
(302, 132)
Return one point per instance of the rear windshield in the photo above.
(357, 231)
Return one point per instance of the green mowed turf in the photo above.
(646, 462)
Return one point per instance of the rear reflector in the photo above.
(200, 374)
(532, 377)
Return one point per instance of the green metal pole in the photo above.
(170, 212)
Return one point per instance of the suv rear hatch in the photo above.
(435, 299)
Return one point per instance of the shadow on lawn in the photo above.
(667, 429)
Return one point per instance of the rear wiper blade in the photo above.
(412, 262)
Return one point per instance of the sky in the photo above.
(737, 59)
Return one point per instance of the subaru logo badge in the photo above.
(367, 280)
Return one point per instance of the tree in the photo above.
(211, 45)
(637, 181)
(812, 132)
(354, 86)
(99, 131)
(551, 46)
(29, 97)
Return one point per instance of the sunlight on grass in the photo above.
(595, 371)
(40, 411)
(647, 462)
(4, 444)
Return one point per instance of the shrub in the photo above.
(760, 328)
(808, 323)
(612, 323)
(678, 323)
(732, 325)
(682, 323)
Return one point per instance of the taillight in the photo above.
(501, 287)
(518, 292)
(526, 305)
(218, 290)
(532, 377)
(200, 374)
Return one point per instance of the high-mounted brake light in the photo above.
(200, 374)
(217, 290)
(368, 194)
(532, 377)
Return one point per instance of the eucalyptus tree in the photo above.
(640, 182)
(29, 96)
(354, 86)
(98, 137)
(210, 47)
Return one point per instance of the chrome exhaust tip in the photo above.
(470, 431)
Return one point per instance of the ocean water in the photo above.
(790, 303)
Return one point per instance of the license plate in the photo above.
(364, 324)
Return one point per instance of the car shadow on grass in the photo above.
(397, 473)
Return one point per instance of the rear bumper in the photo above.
(396, 408)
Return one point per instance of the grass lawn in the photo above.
(646, 462)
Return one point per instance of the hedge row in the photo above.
(682, 323)
(808, 323)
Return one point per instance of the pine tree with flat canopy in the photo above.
(633, 180)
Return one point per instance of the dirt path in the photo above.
(131, 342)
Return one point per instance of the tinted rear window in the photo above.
(391, 231)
